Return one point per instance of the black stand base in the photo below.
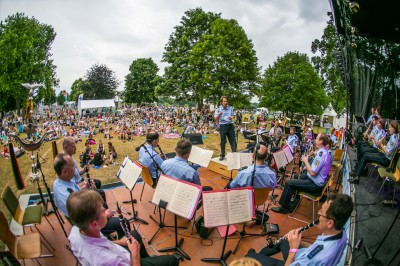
(224, 256)
(129, 201)
(220, 260)
(136, 218)
(243, 234)
(160, 226)
(178, 244)
(176, 248)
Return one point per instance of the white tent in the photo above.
(95, 104)
(328, 117)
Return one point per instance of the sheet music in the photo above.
(288, 153)
(165, 190)
(184, 201)
(237, 160)
(200, 156)
(129, 174)
(280, 159)
(239, 206)
(215, 208)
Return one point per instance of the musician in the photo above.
(65, 184)
(328, 247)
(148, 152)
(313, 179)
(382, 157)
(378, 134)
(332, 136)
(90, 247)
(275, 133)
(292, 139)
(374, 112)
(369, 134)
(69, 148)
(223, 116)
(263, 176)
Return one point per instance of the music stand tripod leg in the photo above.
(135, 214)
(224, 256)
(178, 244)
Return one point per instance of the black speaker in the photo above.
(195, 139)
(203, 232)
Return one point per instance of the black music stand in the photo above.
(178, 244)
(224, 255)
(161, 224)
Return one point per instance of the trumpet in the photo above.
(302, 229)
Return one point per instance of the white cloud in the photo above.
(115, 33)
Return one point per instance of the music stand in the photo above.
(224, 255)
(128, 174)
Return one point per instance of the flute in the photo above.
(278, 241)
(123, 224)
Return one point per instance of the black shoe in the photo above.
(221, 157)
(354, 180)
(279, 210)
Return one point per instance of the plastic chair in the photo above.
(21, 247)
(387, 177)
(147, 179)
(314, 198)
(30, 216)
(376, 166)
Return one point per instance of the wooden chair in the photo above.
(314, 197)
(21, 247)
(260, 198)
(376, 166)
(30, 216)
(389, 176)
(147, 179)
(338, 157)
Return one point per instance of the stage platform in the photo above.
(369, 222)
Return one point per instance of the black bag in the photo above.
(259, 217)
(203, 232)
(271, 229)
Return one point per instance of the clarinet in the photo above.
(162, 155)
(278, 241)
(123, 224)
(89, 180)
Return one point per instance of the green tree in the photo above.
(25, 57)
(76, 89)
(293, 86)
(141, 81)
(61, 98)
(230, 64)
(326, 65)
(101, 83)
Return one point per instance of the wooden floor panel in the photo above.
(195, 247)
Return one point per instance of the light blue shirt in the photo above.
(392, 144)
(333, 138)
(332, 249)
(293, 140)
(61, 193)
(145, 159)
(263, 177)
(77, 178)
(180, 169)
(226, 113)
(379, 134)
(320, 165)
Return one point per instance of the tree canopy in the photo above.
(292, 85)
(25, 57)
(326, 65)
(209, 56)
(100, 83)
(141, 81)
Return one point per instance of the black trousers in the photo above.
(263, 255)
(227, 130)
(370, 158)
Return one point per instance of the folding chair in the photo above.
(389, 176)
(30, 216)
(313, 197)
(21, 247)
(147, 179)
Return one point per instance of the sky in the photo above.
(117, 32)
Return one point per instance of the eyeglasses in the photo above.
(326, 217)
